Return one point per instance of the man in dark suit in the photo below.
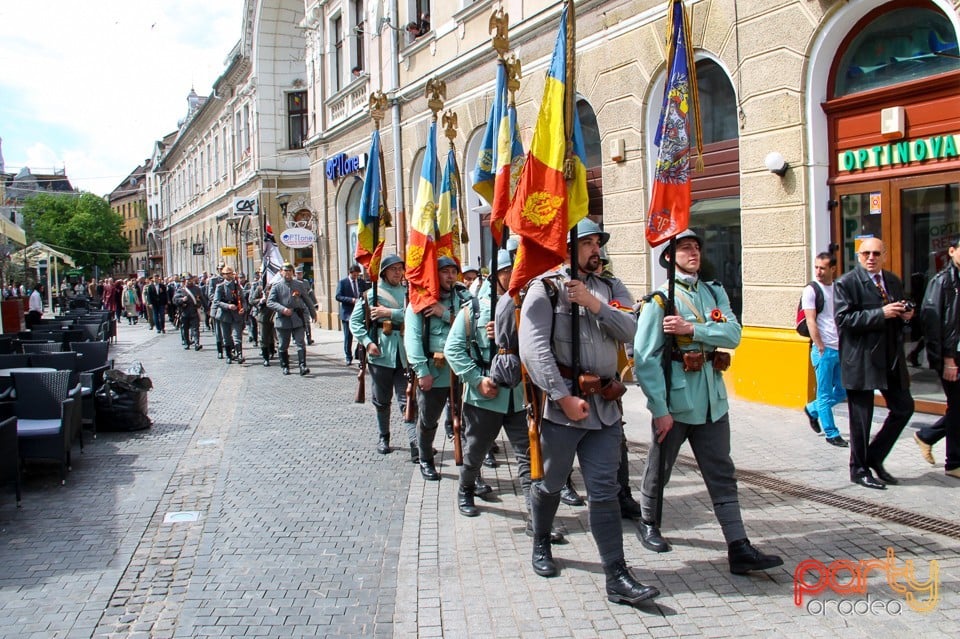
(871, 312)
(348, 292)
(158, 298)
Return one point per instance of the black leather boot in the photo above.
(285, 363)
(569, 496)
(383, 446)
(238, 353)
(556, 537)
(229, 353)
(650, 537)
(629, 508)
(543, 510)
(490, 461)
(480, 487)
(265, 354)
(219, 350)
(623, 588)
(743, 558)
(465, 502)
(428, 471)
(302, 361)
(414, 453)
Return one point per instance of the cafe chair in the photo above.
(41, 347)
(44, 413)
(94, 364)
(68, 361)
(10, 455)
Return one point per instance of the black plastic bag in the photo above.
(121, 403)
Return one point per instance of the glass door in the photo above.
(865, 210)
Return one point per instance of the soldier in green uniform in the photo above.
(697, 409)
(383, 340)
(424, 339)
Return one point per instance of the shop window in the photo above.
(352, 211)
(593, 159)
(718, 104)
(898, 46)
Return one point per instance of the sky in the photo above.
(90, 85)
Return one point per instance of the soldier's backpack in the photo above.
(818, 304)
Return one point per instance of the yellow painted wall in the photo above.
(772, 365)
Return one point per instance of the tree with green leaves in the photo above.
(82, 226)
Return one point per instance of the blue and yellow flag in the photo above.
(422, 273)
(370, 249)
(448, 226)
(545, 207)
(669, 212)
(500, 160)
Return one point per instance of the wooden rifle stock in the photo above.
(531, 400)
(457, 422)
(410, 410)
(361, 395)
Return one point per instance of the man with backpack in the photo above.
(817, 305)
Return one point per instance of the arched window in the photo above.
(897, 46)
(351, 220)
(592, 147)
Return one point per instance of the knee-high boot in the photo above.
(285, 363)
(302, 361)
(607, 529)
(543, 508)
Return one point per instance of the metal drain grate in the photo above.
(851, 504)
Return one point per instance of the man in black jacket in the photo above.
(158, 298)
(870, 314)
(940, 313)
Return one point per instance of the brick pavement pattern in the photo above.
(304, 530)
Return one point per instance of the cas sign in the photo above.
(245, 205)
(298, 238)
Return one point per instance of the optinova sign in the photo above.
(936, 147)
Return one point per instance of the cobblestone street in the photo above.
(302, 530)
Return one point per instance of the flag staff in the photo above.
(569, 92)
(499, 25)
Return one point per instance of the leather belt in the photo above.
(506, 351)
(677, 356)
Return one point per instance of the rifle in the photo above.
(410, 409)
(667, 363)
(455, 407)
(361, 395)
(533, 404)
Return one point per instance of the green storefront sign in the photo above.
(936, 147)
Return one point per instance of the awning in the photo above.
(39, 251)
(12, 231)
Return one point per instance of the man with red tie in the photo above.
(871, 310)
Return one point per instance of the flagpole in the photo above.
(499, 24)
(568, 174)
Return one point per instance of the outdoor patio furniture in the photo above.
(66, 361)
(94, 363)
(41, 347)
(10, 455)
(43, 412)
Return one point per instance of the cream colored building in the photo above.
(237, 150)
(806, 84)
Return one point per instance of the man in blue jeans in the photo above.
(824, 352)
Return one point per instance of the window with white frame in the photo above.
(297, 118)
(237, 127)
(358, 38)
(202, 178)
(216, 158)
(336, 57)
(208, 169)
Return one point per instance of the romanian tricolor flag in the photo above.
(448, 228)
(501, 156)
(369, 236)
(669, 212)
(545, 207)
(422, 273)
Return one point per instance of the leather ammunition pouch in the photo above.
(693, 361)
(386, 327)
(439, 360)
(610, 389)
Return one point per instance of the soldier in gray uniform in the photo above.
(424, 337)
(381, 334)
(212, 313)
(190, 298)
(264, 318)
(251, 315)
(228, 310)
(587, 423)
(298, 272)
(288, 299)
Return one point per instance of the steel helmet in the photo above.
(445, 261)
(587, 227)
(664, 262)
(389, 261)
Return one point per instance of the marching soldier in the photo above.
(298, 272)
(702, 323)
(190, 298)
(424, 339)
(228, 305)
(212, 312)
(288, 299)
(492, 397)
(381, 334)
(251, 319)
(263, 317)
(587, 423)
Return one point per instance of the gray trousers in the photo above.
(710, 443)
(232, 334)
(389, 383)
(430, 406)
(482, 427)
(297, 334)
(598, 452)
